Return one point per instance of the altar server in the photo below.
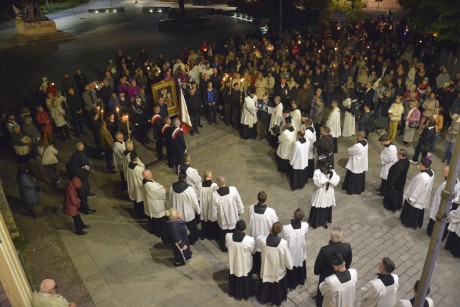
(357, 166)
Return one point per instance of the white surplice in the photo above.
(277, 118)
(299, 156)
(418, 192)
(296, 242)
(376, 294)
(154, 199)
(321, 197)
(358, 160)
(296, 117)
(193, 178)
(185, 202)
(337, 294)
(349, 122)
(118, 157)
(286, 142)
(227, 208)
(134, 180)
(260, 224)
(311, 137)
(388, 157)
(240, 255)
(205, 199)
(333, 123)
(275, 260)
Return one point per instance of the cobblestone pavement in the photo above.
(121, 264)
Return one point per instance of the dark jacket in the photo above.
(397, 174)
(364, 122)
(178, 141)
(323, 266)
(426, 137)
(27, 190)
(75, 103)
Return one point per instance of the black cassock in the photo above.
(396, 180)
(177, 236)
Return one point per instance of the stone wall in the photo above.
(35, 28)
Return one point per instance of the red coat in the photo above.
(44, 121)
(71, 201)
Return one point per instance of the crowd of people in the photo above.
(277, 87)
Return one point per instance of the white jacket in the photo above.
(240, 255)
(358, 160)
(48, 154)
(275, 260)
(333, 123)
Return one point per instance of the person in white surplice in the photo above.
(382, 290)
(349, 122)
(209, 227)
(333, 123)
(240, 249)
(299, 162)
(323, 198)
(357, 166)
(339, 288)
(261, 219)
(119, 147)
(182, 197)
(409, 303)
(227, 208)
(193, 178)
(134, 179)
(276, 259)
(295, 234)
(388, 157)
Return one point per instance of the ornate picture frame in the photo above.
(167, 90)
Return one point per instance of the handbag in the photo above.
(414, 124)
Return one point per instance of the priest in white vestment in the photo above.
(310, 135)
(182, 197)
(295, 234)
(417, 196)
(134, 179)
(296, 116)
(437, 200)
(388, 157)
(261, 219)
(119, 147)
(333, 123)
(209, 227)
(357, 166)
(276, 259)
(286, 142)
(193, 178)
(349, 122)
(409, 303)
(129, 145)
(154, 205)
(227, 208)
(323, 195)
(240, 249)
(299, 162)
(339, 289)
(276, 120)
(249, 116)
(382, 290)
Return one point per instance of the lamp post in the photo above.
(439, 226)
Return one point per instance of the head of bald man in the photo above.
(48, 286)
(147, 174)
(221, 181)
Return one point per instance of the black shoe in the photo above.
(192, 133)
(83, 233)
(86, 226)
(200, 126)
(91, 194)
(325, 226)
(89, 212)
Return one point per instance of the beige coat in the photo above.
(395, 111)
(48, 154)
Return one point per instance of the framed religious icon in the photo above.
(167, 91)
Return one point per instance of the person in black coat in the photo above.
(177, 236)
(424, 140)
(178, 142)
(368, 98)
(282, 90)
(396, 180)
(76, 108)
(138, 116)
(157, 124)
(80, 166)
(325, 147)
(323, 266)
(194, 109)
(236, 99)
(167, 137)
(365, 122)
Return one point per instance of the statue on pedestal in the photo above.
(30, 11)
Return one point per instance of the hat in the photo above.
(240, 225)
(288, 120)
(337, 259)
(426, 161)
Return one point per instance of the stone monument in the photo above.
(30, 20)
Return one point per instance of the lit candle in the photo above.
(127, 126)
(118, 110)
(102, 114)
